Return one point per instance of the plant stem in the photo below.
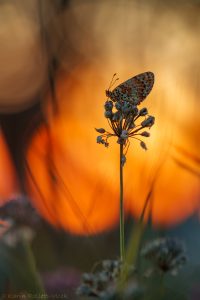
(122, 247)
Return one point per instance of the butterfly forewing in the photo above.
(135, 89)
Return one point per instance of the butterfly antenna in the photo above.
(113, 80)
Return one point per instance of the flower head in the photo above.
(167, 254)
(103, 284)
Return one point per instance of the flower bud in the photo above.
(143, 145)
(116, 116)
(108, 105)
(143, 111)
(108, 114)
(134, 110)
(100, 130)
(145, 133)
(148, 122)
(100, 140)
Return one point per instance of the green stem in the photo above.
(122, 247)
(33, 275)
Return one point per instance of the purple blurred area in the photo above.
(62, 281)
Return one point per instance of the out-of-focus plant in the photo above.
(166, 256)
(18, 273)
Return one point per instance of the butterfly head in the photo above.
(109, 93)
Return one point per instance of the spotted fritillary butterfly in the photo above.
(135, 89)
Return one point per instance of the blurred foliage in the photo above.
(17, 267)
(56, 250)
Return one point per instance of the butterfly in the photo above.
(134, 90)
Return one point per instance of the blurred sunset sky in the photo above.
(92, 40)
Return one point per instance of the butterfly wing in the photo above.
(135, 89)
